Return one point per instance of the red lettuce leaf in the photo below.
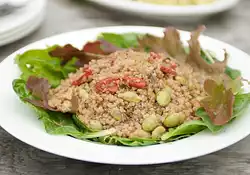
(91, 50)
(39, 88)
(194, 57)
(219, 103)
(101, 47)
(169, 44)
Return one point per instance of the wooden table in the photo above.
(17, 158)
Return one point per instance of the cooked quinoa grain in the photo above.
(121, 93)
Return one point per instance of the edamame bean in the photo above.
(116, 113)
(182, 117)
(174, 120)
(168, 89)
(83, 94)
(130, 96)
(150, 123)
(95, 125)
(163, 97)
(158, 132)
(181, 80)
(139, 133)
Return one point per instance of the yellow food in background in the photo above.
(178, 2)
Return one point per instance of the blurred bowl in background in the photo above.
(22, 22)
(170, 13)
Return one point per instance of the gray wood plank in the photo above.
(17, 158)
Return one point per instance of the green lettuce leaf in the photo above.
(114, 140)
(82, 126)
(19, 86)
(57, 123)
(206, 56)
(241, 103)
(39, 63)
(206, 119)
(232, 73)
(186, 129)
(136, 142)
(175, 138)
(69, 67)
(125, 40)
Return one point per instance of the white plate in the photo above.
(22, 22)
(191, 13)
(20, 121)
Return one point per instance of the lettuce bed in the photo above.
(43, 64)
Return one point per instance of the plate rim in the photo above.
(115, 160)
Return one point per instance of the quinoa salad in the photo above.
(131, 89)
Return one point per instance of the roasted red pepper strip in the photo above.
(173, 66)
(168, 70)
(110, 85)
(87, 73)
(135, 82)
(153, 56)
